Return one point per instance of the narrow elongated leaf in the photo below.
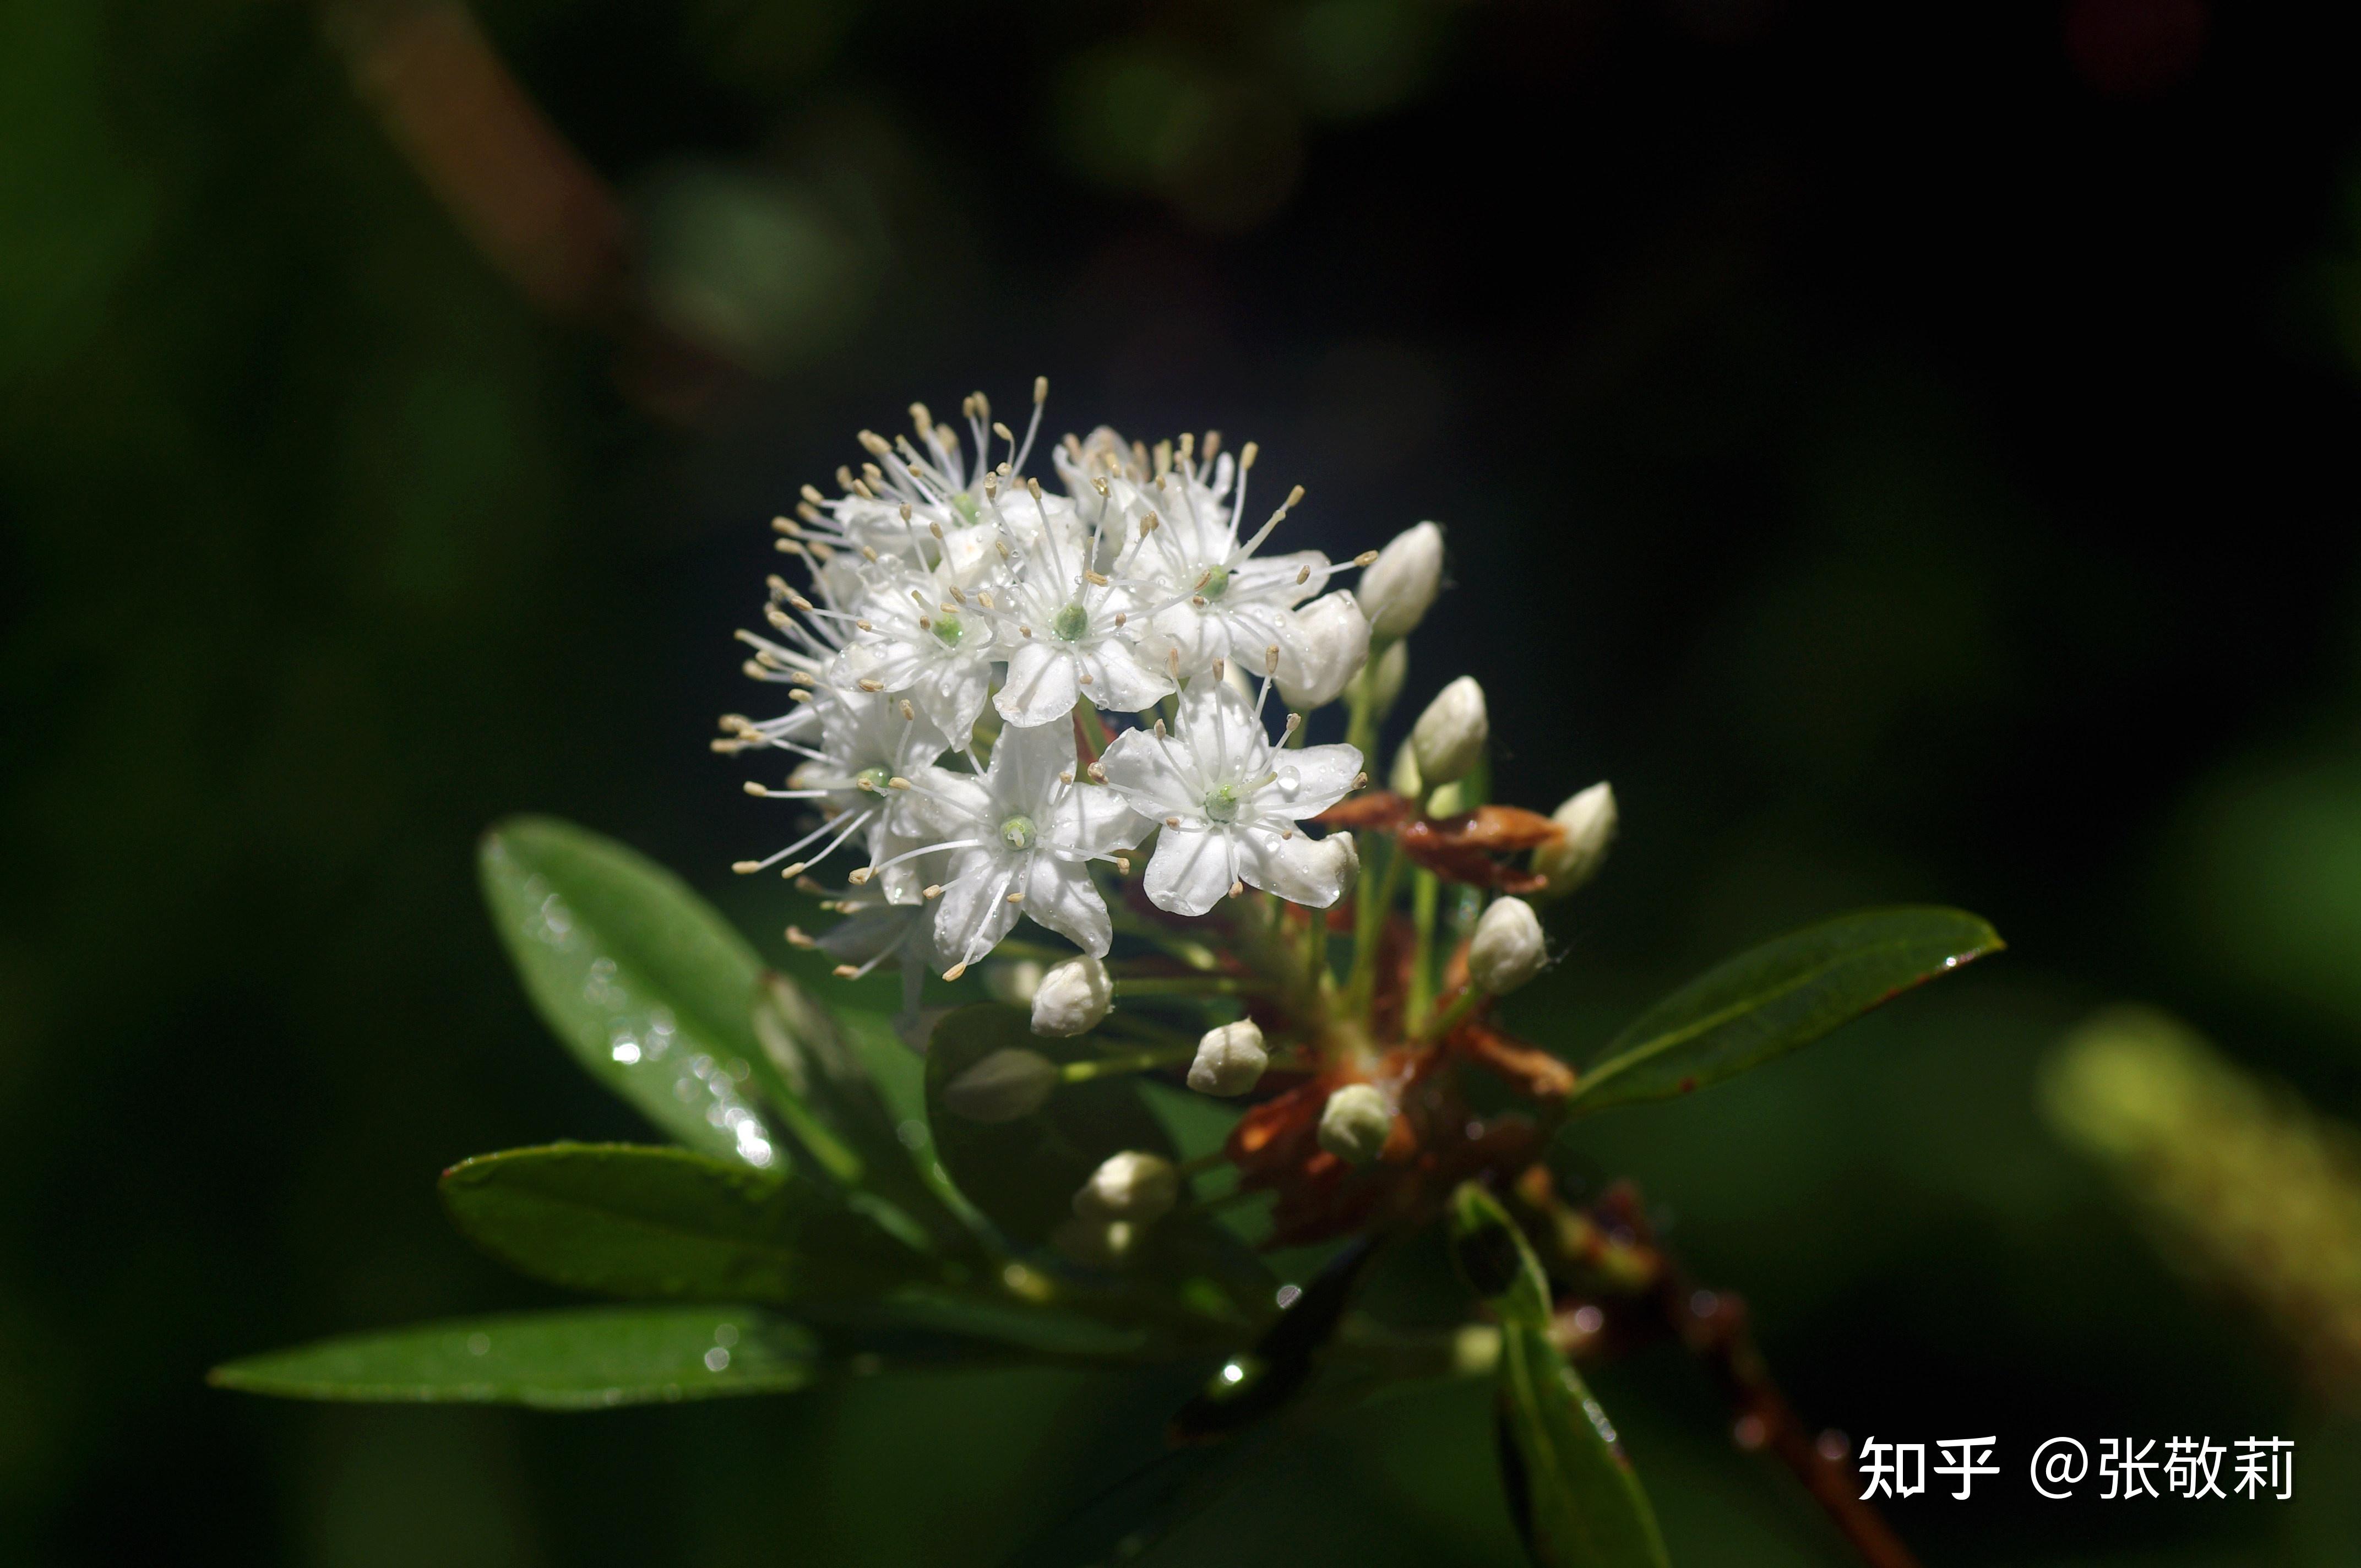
(1024, 1173)
(657, 1223)
(1785, 993)
(1570, 1489)
(584, 1359)
(650, 988)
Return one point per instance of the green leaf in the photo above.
(583, 1359)
(1024, 1174)
(1570, 1489)
(1785, 993)
(651, 989)
(651, 1223)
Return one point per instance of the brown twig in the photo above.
(1712, 1324)
(540, 215)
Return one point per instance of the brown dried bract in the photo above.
(1457, 848)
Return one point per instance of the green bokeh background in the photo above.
(1907, 449)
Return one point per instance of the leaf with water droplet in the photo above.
(650, 988)
(1570, 1491)
(584, 1359)
(1770, 1000)
(626, 1220)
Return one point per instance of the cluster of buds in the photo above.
(1018, 703)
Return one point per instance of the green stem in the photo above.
(1143, 1062)
(1466, 1000)
(1369, 925)
(1425, 889)
(1191, 985)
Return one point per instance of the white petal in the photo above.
(952, 695)
(1189, 872)
(1059, 896)
(1295, 868)
(1026, 765)
(973, 913)
(1309, 782)
(950, 804)
(1119, 681)
(1095, 821)
(1041, 687)
(1147, 773)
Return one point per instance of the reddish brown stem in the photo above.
(1713, 1325)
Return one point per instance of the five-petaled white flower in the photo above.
(1021, 833)
(870, 745)
(1230, 803)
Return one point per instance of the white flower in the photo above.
(1589, 820)
(869, 746)
(1230, 1059)
(1206, 596)
(1506, 949)
(1068, 632)
(1356, 1124)
(912, 638)
(1330, 645)
(1135, 1186)
(1448, 739)
(870, 936)
(1399, 586)
(1072, 997)
(1229, 803)
(1021, 835)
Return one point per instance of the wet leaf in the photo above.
(625, 1220)
(1785, 993)
(650, 988)
(1570, 1489)
(580, 1359)
(1024, 1173)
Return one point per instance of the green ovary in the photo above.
(1018, 833)
(1221, 804)
(970, 512)
(1072, 624)
(948, 631)
(874, 780)
(1216, 583)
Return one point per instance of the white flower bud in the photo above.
(1400, 586)
(1330, 645)
(1387, 675)
(1449, 737)
(1133, 1186)
(1402, 777)
(1230, 1059)
(1072, 997)
(1589, 822)
(1356, 1124)
(1506, 949)
(1003, 1086)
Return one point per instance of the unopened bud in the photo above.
(1506, 949)
(1400, 586)
(1230, 1059)
(1355, 1122)
(1330, 645)
(1003, 1086)
(1133, 1186)
(1402, 777)
(1448, 739)
(1072, 997)
(1387, 672)
(1589, 820)
(1096, 1243)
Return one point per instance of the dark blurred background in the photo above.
(1908, 449)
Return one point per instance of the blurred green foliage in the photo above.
(1909, 469)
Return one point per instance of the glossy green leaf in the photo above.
(650, 988)
(1570, 1489)
(584, 1358)
(1024, 1173)
(639, 1222)
(1785, 993)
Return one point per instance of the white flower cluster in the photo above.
(957, 614)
